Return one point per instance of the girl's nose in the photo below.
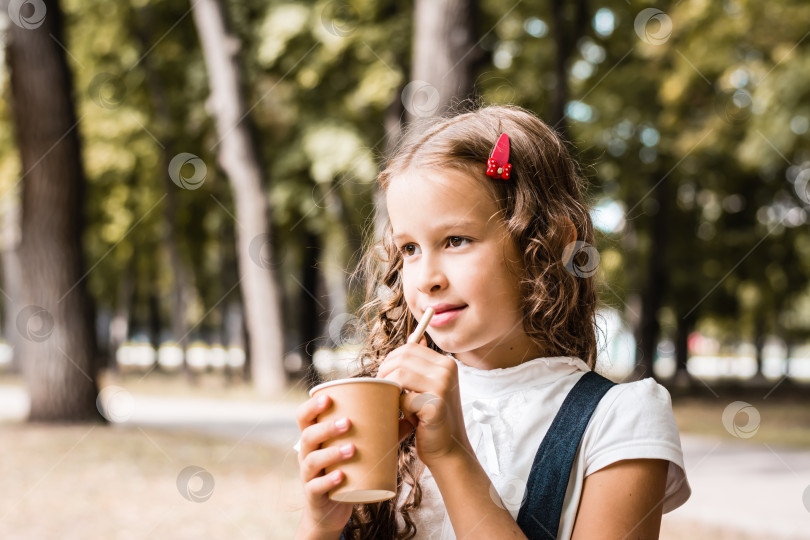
(431, 275)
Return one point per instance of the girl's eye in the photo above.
(455, 241)
(408, 249)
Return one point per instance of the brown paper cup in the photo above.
(372, 406)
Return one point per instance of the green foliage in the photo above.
(708, 123)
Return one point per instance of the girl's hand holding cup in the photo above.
(432, 404)
(321, 513)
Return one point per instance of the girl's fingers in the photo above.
(318, 460)
(309, 410)
(317, 434)
(320, 486)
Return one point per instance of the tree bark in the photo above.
(444, 52)
(56, 325)
(238, 157)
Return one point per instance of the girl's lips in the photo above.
(440, 319)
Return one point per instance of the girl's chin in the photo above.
(450, 346)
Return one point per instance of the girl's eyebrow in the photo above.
(443, 226)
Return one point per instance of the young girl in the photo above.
(489, 226)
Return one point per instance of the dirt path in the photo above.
(741, 489)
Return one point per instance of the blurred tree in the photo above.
(142, 26)
(444, 55)
(238, 157)
(56, 324)
(566, 37)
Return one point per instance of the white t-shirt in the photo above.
(507, 412)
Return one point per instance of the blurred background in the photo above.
(186, 187)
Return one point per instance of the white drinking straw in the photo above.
(420, 329)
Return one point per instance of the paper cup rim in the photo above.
(353, 380)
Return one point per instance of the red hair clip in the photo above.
(498, 165)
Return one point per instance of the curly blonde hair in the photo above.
(540, 204)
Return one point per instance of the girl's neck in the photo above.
(505, 354)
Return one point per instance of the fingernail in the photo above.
(322, 401)
(343, 423)
(346, 450)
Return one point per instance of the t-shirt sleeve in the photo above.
(635, 421)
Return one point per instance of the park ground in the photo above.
(120, 481)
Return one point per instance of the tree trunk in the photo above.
(119, 325)
(160, 103)
(56, 325)
(565, 40)
(759, 342)
(685, 326)
(238, 157)
(444, 52)
(655, 283)
(311, 316)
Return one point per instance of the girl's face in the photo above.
(456, 251)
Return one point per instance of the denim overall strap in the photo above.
(539, 515)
